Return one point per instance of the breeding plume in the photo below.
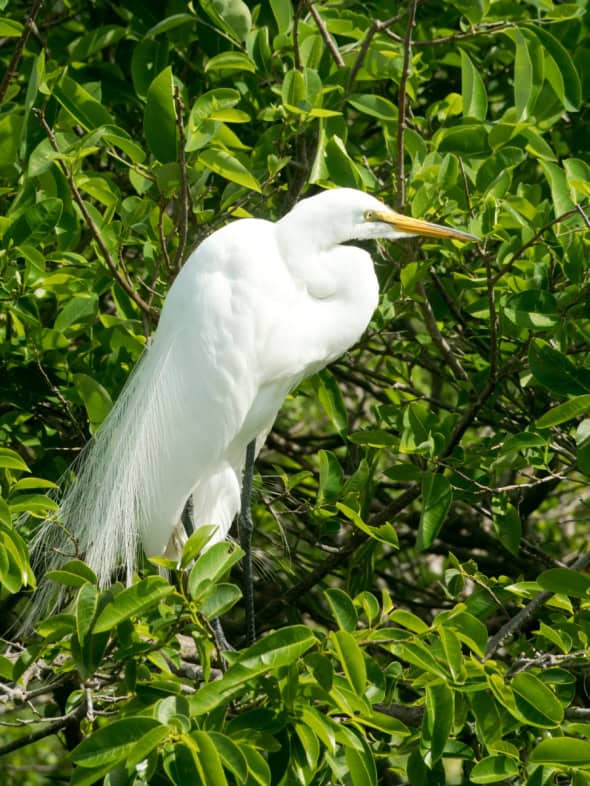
(257, 307)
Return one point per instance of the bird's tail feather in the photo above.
(104, 506)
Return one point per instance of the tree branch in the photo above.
(20, 46)
(324, 32)
(520, 619)
(402, 105)
(137, 299)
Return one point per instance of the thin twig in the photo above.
(184, 195)
(519, 253)
(324, 32)
(19, 49)
(402, 105)
(439, 340)
(378, 26)
(137, 299)
(520, 619)
(52, 728)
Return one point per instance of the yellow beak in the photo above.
(414, 226)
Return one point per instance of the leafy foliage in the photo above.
(427, 622)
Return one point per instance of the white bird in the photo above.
(257, 307)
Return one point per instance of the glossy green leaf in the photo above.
(492, 769)
(331, 477)
(232, 15)
(9, 459)
(565, 581)
(96, 399)
(530, 691)
(507, 524)
(132, 601)
(556, 372)
(223, 163)
(330, 398)
(342, 609)
(212, 565)
(569, 410)
(10, 28)
(231, 61)
(159, 118)
(437, 496)
(351, 658)
(562, 752)
(374, 106)
(80, 104)
(361, 765)
(74, 573)
(438, 719)
(475, 100)
(111, 744)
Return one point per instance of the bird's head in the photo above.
(341, 214)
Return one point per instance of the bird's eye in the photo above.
(370, 215)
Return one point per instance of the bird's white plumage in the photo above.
(257, 307)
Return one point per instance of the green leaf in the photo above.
(438, 719)
(583, 446)
(132, 601)
(342, 609)
(84, 109)
(361, 764)
(556, 372)
(181, 766)
(95, 40)
(475, 100)
(572, 86)
(150, 57)
(494, 768)
(74, 573)
(331, 400)
(96, 399)
(534, 309)
(231, 15)
(196, 543)
(374, 106)
(560, 193)
(170, 23)
(351, 657)
(9, 459)
(565, 582)
(209, 759)
(507, 524)
(331, 477)
(437, 496)
(530, 692)
(227, 166)
(283, 13)
(231, 755)
(384, 533)
(562, 752)
(569, 410)
(82, 308)
(111, 744)
(10, 28)
(221, 600)
(418, 655)
(159, 118)
(211, 566)
(231, 61)
(524, 76)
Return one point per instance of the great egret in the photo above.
(257, 307)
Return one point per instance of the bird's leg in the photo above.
(246, 527)
(187, 516)
(189, 528)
